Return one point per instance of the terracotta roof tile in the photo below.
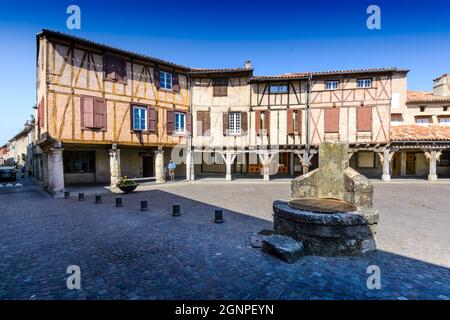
(224, 70)
(420, 133)
(425, 96)
(301, 75)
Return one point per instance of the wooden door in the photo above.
(410, 163)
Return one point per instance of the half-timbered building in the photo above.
(286, 117)
(104, 112)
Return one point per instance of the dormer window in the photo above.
(278, 88)
(165, 80)
(331, 85)
(364, 83)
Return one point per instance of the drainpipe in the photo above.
(189, 146)
(307, 120)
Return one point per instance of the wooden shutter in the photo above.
(175, 83)
(267, 121)
(244, 123)
(120, 69)
(204, 118)
(364, 119)
(87, 112)
(156, 77)
(332, 120)
(299, 120)
(170, 121)
(41, 112)
(108, 66)
(131, 118)
(257, 121)
(152, 120)
(188, 123)
(220, 87)
(290, 121)
(99, 114)
(225, 123)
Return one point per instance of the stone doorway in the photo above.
(147, 167)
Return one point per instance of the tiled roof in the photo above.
(68, 37)
(302, 75)
(420, 133)
(425, 96)
(224, 70)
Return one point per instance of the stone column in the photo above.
(229, 158)
(432, 159)
(45, 170)
(386, 165)
(159, 166)
(265, 161)
(190, 165)
(55, 172)
(114, 166)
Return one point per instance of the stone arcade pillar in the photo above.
(229, 159)
(55, 172)
(386, 165)
(114, 166)
(265, 161)
(190, 176)
(159, 166)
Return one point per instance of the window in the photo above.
(444, 159)
(278, 88)
(366, 159)
(165, 80)
(445, 108)
(364, 83)
(444, 121)
(422, 121)
(79, 161)
(396, 120)
(331, 85)
(139, 118)
(220, 87)
(180, 122)
(234, 123)
(422, 108)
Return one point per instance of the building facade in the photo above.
(103, 113)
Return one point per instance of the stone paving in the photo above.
(127, 254)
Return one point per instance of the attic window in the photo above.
(445, 108)
(422, 108)
(115, 69)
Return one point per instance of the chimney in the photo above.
(248, 64)
(441, 85)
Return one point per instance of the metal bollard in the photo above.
(176, 210)
(98, 198)
(81, 197)
(144, 205)
(218, 216)
(66, 195)
(118, 202)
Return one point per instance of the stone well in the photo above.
(331, 213)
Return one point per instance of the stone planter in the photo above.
(128, 189)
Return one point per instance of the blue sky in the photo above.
(277, 36)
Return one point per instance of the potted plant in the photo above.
(127, 185)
